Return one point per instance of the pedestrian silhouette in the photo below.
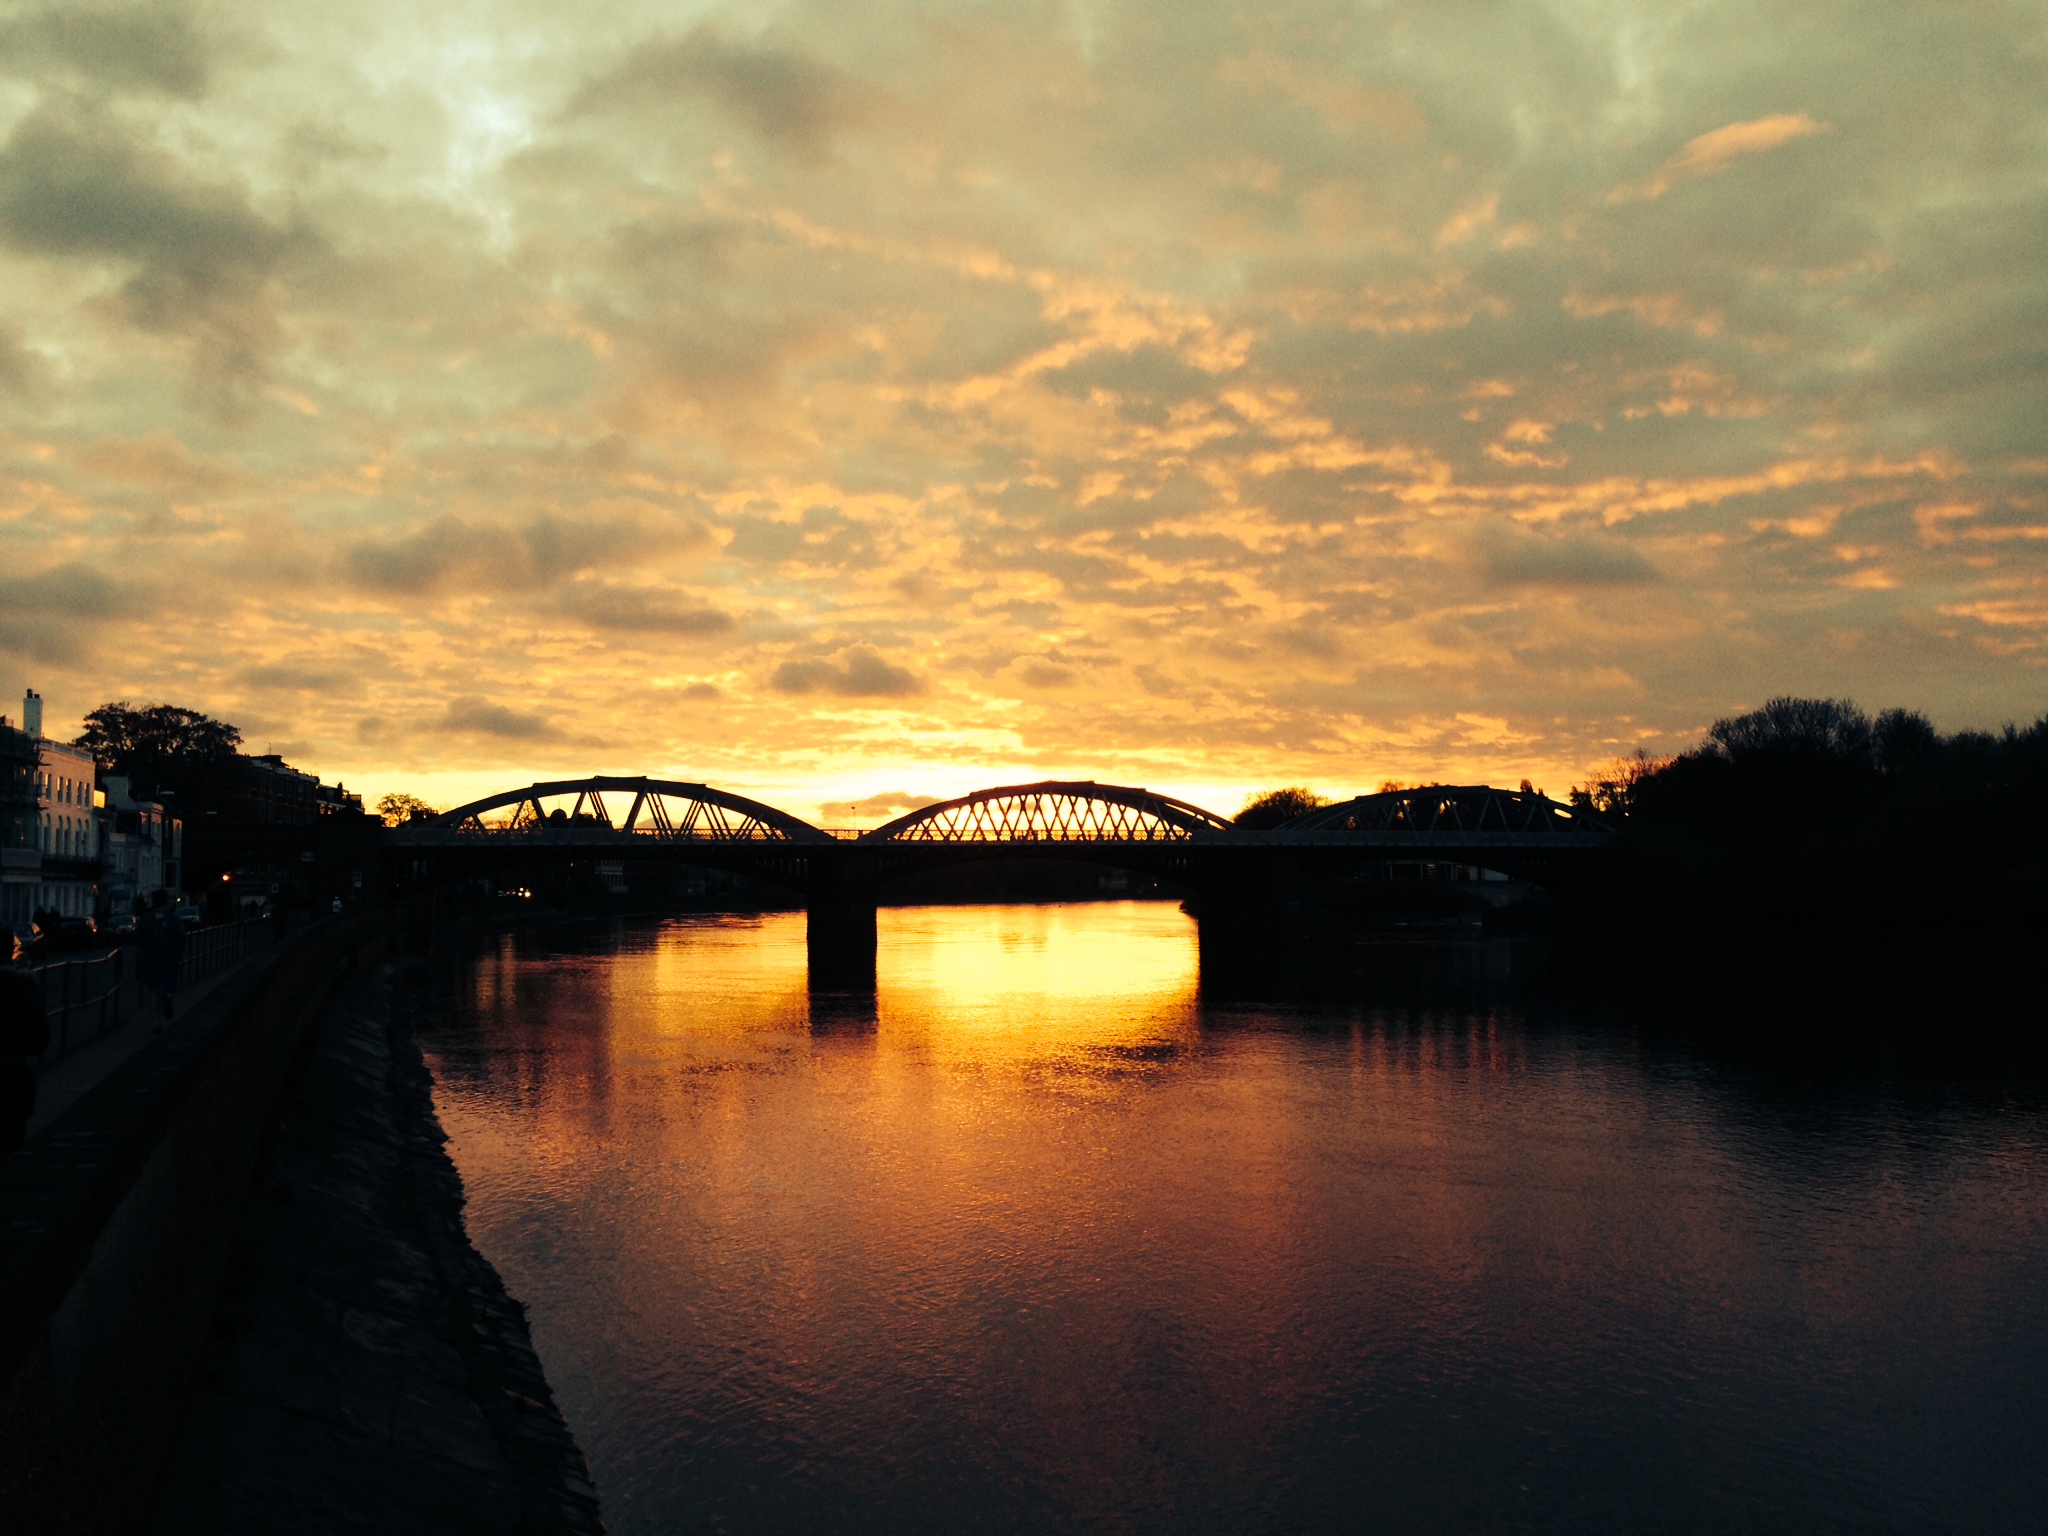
(160, 942)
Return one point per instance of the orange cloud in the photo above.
(1712, 153)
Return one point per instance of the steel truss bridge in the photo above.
(640, 817)
(840, 874)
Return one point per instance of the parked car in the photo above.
(191, 917)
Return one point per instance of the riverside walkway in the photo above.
(100, 1013)
(368, 1372)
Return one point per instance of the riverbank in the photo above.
(367, 1370)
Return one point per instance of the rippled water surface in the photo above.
(1042, 1239)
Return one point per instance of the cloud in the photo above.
(57, 615)
(151, 47)
(1142, 405)
(478, 715)
(156, 460)
(22, 371)
(200, 257)
(604, 606)
(788, 99)
(1045, 674)
(1712, 153)
(70, 590)
(420, 561)
(1529, 559)
(542, 552)
(857, 672)
(291, 677)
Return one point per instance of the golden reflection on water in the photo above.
(1034, 983)
(1036, 1234)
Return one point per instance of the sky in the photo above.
(857, 404)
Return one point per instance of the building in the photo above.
(140, 846)
(236, 832)
(273, 793)
(59, 869)
(21, 859)
(265, 831)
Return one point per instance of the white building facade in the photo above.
(68, 846)
(68, 824)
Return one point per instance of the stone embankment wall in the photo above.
(125, 1220)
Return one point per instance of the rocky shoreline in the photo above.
(368, 1371)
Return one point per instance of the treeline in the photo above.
(190, 759)
(1806, 852)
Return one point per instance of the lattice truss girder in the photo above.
(668, 813)
(1045, 816)
(1465, 810)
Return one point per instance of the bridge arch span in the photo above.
(1056, 811)
(663, 809)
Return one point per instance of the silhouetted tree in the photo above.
(399, 806)
(160, 747)
(1832, 728)
(1903, 739)
(1271, 807)
(1805, 851)
(1612, 793)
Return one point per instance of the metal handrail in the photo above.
(87, 997)
(209, 951)
(74, 990)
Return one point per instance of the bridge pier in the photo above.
(840, 922)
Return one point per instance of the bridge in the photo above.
(841, 875)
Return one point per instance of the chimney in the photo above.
(32, 712)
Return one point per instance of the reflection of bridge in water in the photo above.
(1235, 874)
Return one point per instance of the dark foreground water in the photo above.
(1043, 1240)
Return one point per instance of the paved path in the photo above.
(369, 1373)
(70, 1077)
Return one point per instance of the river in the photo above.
(1042, 1239)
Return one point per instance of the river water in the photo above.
(1042, 1239)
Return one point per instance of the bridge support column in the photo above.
(1250, 922)
(840, 927)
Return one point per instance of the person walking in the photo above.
(160, 946)
(24, 1032)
